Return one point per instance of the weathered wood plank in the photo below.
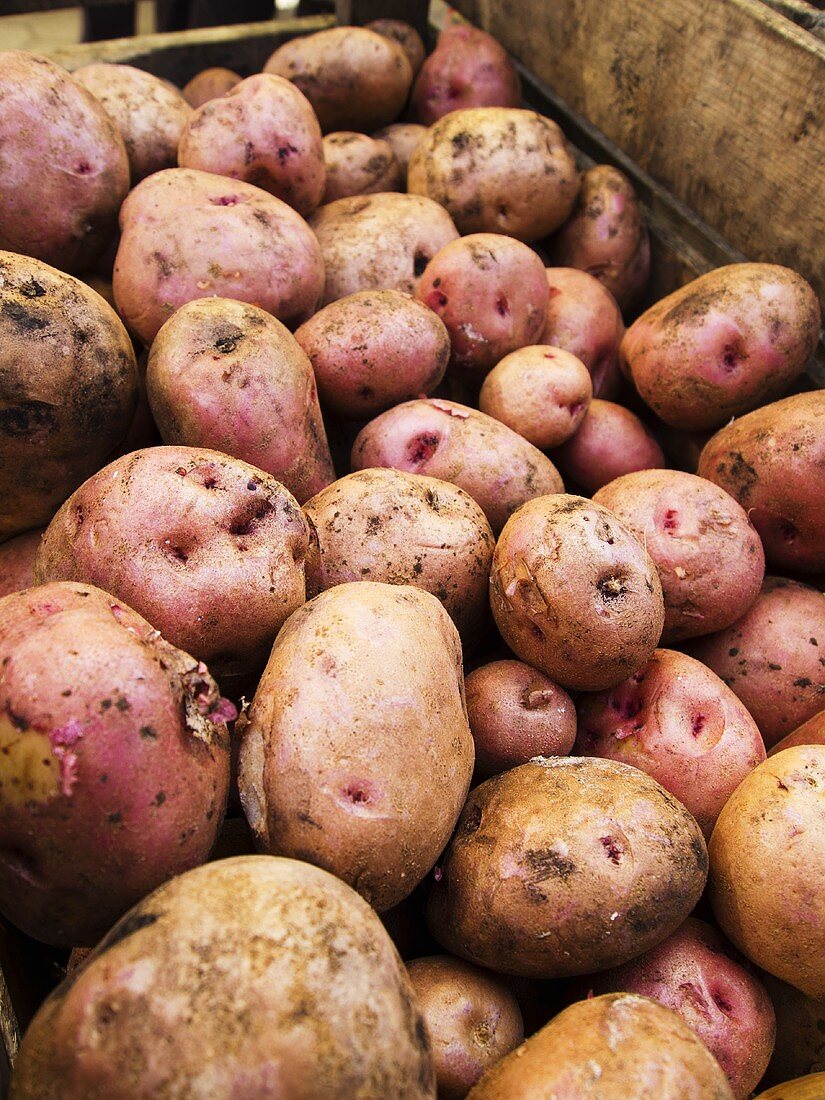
(359, 12)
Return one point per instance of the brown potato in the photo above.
(802, 1088)
(358, 165)
(610, 441)
(406, 36)
(209, 84)
(811, 732)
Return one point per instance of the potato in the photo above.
(472, 1018)
(354, 78)
(374, 349)
(610, 442)
(65, 171)
(358, 672)
(189, 234)
(114, 761)
(811, 732)
(609, 1048)
(264, 977)
(148, 113)
(606, 235)
(17, 562)
(378, 242)
(491, 293)
(541, 392)
(562, 867)
(209, 84)
(444, 439)
(800, 1033)
(584, 319)
(399, 528)
(229, 376)
(406, 36)
(516, 713)
(675, 720)
(358, 165)
(497, 170)
(68, 388)
(693, 974)
(707, 554)
(802, 1088)
(210, 549)
(767, 859)
(263, 131)
(729, 341)
(774, 656)
(402, 138)
(773, 462)
(575, 594)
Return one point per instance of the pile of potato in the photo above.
(334, 491)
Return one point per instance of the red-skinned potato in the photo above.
(263, 131)
(811, 732)
(773, 656)
(402, 138)
(727, 342)
(584, 319)
(516, 713)
(358, 165)
(229, 376)
(574, 593)
(491, 293)
(267, 977)
(708, 556)
(115, 761)
(444, 439)
(472, 1018)
(406, 36)
(17, 561)
(209, 84)
(610, 441)
(675, 720)
(773, 462)
(357, 672)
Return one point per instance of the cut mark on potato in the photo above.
(30, 771)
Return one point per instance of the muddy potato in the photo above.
(611, 441)
(359, 671)
(584, 319)
(378, 242)
(354, 78)
(402, 138)
(406, 36)
(358, 165)
(266, 977)
(400, 528)
(209, 84)
(575, 594)
(17, 561)
(566, 866)
(114, 761)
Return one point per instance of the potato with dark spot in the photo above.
(406, 36)
(357, 755)
(563, 867)
(17, 561)
(210, 549)
(584, 319)
(402, 138)
(497, 170)
(209, 84)
(575, 594)
(266, 978)
(400, 528)
(114, 761)
(68, 388)
(358, 165)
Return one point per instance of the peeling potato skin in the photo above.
(728, 342)
(358, 165)
(773, 462)
(64, 170)
(229, 376)
(777, 918)
(497, 170)
(209, 84)
(17, 562)
(574, 594)
(406, 36)
(265, 977)
(610, 1047)
(114, 769)
(584, 319)
(68, 388)
(399, 528)
(357, 672)
(566, 866)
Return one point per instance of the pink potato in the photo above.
(64, 171)
(726, 343)
(358, 165)
(490, 292)
(209, 84)
(708, 556)
(263, 131)
(443, 439)
(189, 234)
(402, 138)
(606, 235)
(611, 441)
(17, 561)
(114, 766)
(584, 319)
(406, 36)
(811, 732)
(229, 376)
(675, 720)
(540, 392)
(209, 548)
(693, 973)
(372, 350)
(516, 713)
(773, 658)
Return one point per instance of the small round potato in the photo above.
(209, 84)
(17, 562)
(406, 36)
(358, 165)
(402, 138)
(584, 319)
(610, 442)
